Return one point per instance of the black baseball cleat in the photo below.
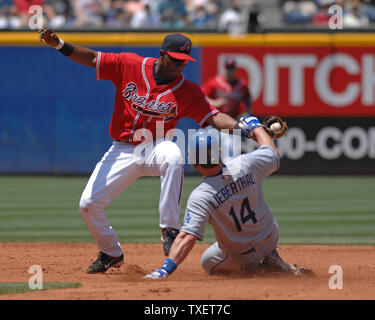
(104, 262)
(167, 237)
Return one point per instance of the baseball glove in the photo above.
(275, 126)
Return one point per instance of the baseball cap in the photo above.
(203, 148)
(230, 62)
(177, 46)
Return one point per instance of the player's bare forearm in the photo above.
(84, 56)
(182, 246)
(222, 121)
(262, 138)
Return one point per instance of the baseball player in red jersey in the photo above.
(230, 95)
(149, 90)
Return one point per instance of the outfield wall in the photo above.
(54, 115)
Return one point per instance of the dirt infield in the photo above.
(66, 262)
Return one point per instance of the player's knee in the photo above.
(175, 155)
(87, 204)
(84, 205)
(207, 265)
(175, 159)
(171, 154)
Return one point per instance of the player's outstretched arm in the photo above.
(182, 246)
(84, 56)
(262, 138)
(222, 121)
(180, 249)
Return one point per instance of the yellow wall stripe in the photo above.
(208, 40)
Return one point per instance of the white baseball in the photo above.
(275, 127)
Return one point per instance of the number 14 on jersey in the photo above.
(245, 215)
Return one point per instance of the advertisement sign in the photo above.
(325, 145)
(302, 81)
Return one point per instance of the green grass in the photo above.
(21, 287)
(309, 209)
(323, 210)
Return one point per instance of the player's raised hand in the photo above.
(248, 124)
(49, 37)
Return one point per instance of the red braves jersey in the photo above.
(140, 102)
(237, 94)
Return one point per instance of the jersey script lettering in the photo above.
(232, 188)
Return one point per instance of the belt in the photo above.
(253, 249)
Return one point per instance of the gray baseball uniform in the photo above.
(233, 204)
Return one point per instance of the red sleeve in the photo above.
(110, 66)
(200, 109)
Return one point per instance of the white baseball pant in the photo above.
(116, 171)
(216, 260)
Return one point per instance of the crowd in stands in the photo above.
(229, 16)
(134, 14)
(355, 13)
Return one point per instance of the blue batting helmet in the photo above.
(203, 148)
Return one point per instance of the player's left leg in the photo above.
(166, 161)
(272, 261)
(112, 175)
(215, 260)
